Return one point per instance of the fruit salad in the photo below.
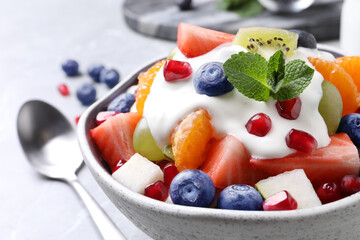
(261, 120)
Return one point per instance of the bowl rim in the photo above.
(92, 160)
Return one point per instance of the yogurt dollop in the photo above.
(169, 103)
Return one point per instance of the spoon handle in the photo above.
(106, 227)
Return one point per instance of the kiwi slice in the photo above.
(261, 40)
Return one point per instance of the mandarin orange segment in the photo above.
(351, 64)
(189, 140)
(145, 81)
(335, 74)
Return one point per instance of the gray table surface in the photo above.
(35, 37)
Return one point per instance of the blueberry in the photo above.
(192, 187)
(70, 67)
(86, 94)
(240, 197)
(109, 77)
(95, 70)
(350, 124)
(306, 39)
(122, 103)
(211, 80)
(183, 4)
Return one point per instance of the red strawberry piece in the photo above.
(289, 109)
(326, 164)
(176, 70)
(114, 137)
(259, 124)
(279, 202)
(157, 190)
(103, 116)
(63, 89)
(301, 141)
(170, 171)
(227, 163)
(328, 192)
(118, 165)
(350, 184)
(194, 41)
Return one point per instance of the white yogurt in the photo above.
(169, 102)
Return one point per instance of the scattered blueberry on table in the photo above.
(95, 70)
(70, 67)
(86, 94)
(110, 77)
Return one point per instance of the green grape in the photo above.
(172, 53)
(331, 106)
(168, 152)
(144, 142)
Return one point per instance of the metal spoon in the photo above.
(294, 6)
(50, 144)
(286, 6)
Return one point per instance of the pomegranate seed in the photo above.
(63, 89)
(157, 190)
(301, 141)
(103, 116)
(118, 165)
(176, 70)
(259, 124)
(77, 119)
(329, 192)
(350, 184)
(289, 109)
(170, 171)
(162, 164)
(279, 202)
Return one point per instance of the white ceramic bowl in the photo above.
(337, 220)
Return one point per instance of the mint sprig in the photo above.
(259, 79)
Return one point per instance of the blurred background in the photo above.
(37, 36)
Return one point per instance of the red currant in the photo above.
(157, 190)
(279, 202)
(329, 192)
(170, 171)
(350, 184)
(289, 109)
(176, 70)
(63, 89)
(259, 124)
(301, 141)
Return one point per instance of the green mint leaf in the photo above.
(276, 69)
(244, 8)
(248, 72)
(297, 77)
(249, 9)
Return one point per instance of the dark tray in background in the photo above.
(160, 18)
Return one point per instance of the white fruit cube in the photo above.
(296, 183)
(137, 173)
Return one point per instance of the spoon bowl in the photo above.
(50, 144)
(286, 6)
(48, 140)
